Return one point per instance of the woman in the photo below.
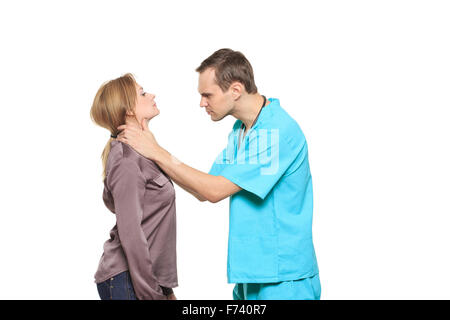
(139, 259)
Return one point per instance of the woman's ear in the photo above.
(130, 113)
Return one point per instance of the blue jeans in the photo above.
(118, 287)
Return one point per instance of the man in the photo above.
(265, 170)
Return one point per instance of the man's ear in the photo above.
(237, 89)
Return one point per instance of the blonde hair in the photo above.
(112, 102)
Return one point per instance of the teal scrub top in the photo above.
(270, 227)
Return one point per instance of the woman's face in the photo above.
(145, 105)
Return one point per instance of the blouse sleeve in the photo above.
(127, 186)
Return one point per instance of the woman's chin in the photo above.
(152, 116)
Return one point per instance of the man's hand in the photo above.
(140, 139)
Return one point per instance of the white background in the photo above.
(368, 82)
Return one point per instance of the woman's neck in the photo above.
(131, 120)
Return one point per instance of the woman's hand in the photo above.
(140, 139)
(171, 296)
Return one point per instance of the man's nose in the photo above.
(203, 103)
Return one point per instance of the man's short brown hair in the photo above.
(230, 66)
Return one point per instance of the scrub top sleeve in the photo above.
(264, 160)
(227, 154)
(218, 164)
(127, 186)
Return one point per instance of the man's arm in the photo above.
(199, 197)
(200, 184)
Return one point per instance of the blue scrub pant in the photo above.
(302, 289)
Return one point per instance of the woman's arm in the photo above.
(127, 186)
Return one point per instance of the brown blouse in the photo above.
(143, 241)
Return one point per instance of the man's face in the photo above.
(218, 104)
